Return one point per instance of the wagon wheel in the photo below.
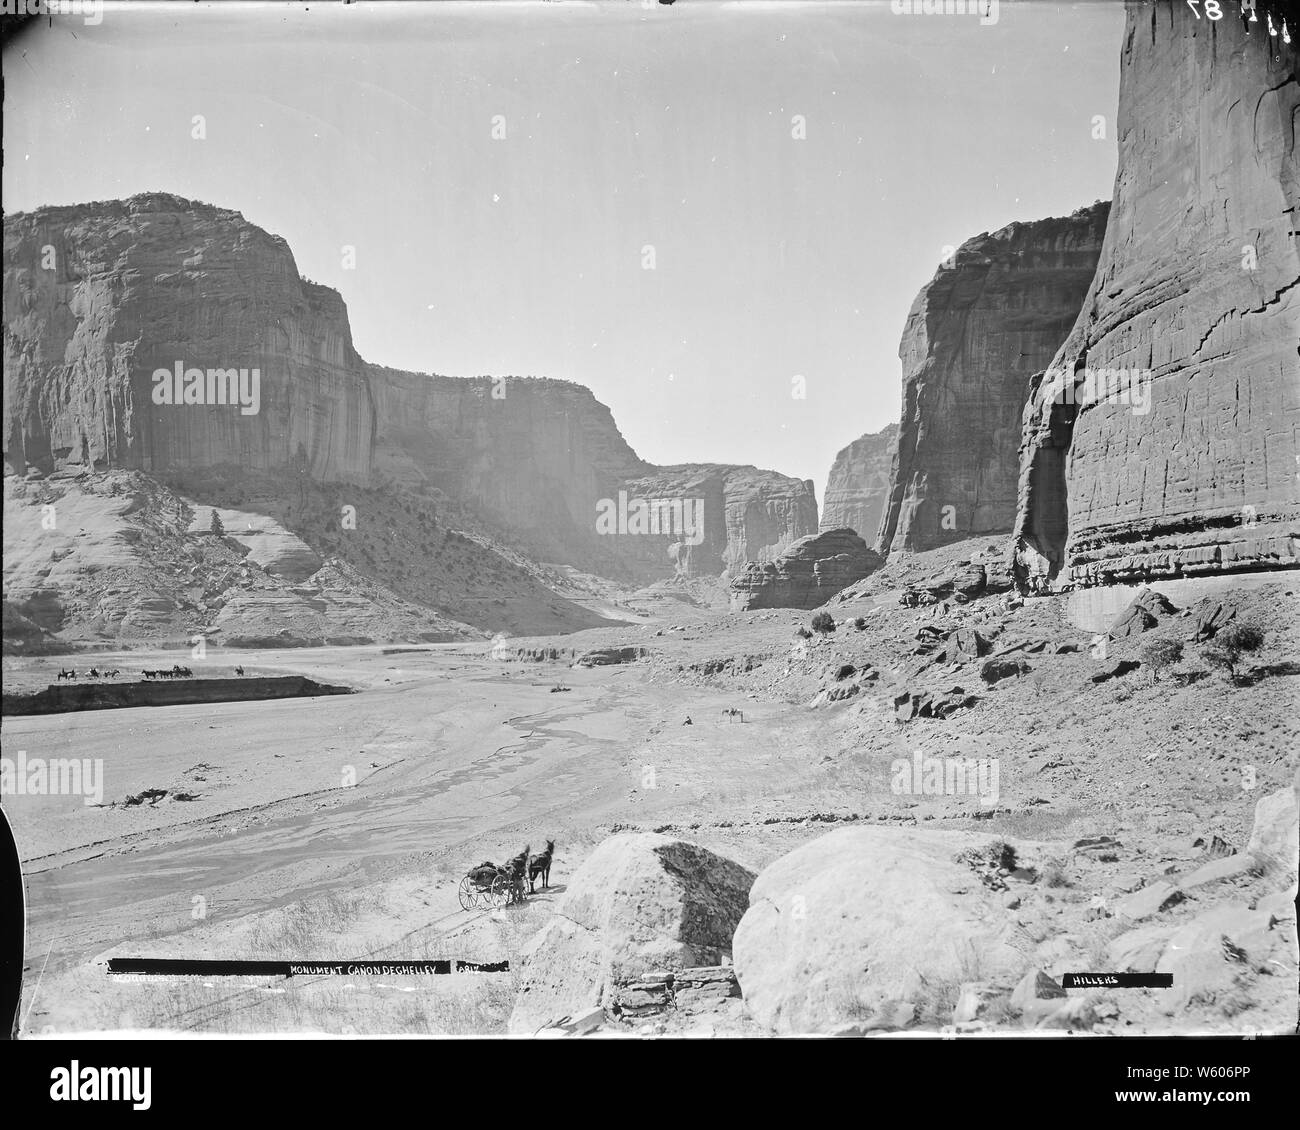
(469, 894)
(499, 893)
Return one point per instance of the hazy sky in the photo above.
(626, 126)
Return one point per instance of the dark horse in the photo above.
(540, 865)
(517, 869)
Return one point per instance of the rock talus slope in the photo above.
(1162, 439)
(975, 336)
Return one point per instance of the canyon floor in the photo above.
(340, 827)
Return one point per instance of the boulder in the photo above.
(995, 670)
(1116, 670)
(1210, 618)
(1207, 954)
(964, 644)
(931, 704)
(1148, 901)
(1141, 615)
(1138, 951)
(1217, 871)
(1275, 837)
(809, 572)
(641, 907)
(858, 923)
(1035, 987)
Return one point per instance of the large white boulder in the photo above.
(641, 904)
(865, 924)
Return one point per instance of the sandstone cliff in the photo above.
(1162, 439)
(543, 457)
(858, 485)
(975, 336)
(99, 297)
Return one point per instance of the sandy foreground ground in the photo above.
(455, 758)
(339, 827)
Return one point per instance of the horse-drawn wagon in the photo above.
(488, 886)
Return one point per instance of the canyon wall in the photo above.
(97, 297)
(1162, 439)
(748, 514)
(858, 484)
(975, 336)
(541, 457)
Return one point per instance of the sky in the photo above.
(698, 211)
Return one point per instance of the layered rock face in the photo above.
(545, 459)
(1162, 439)
(975, 336)
(858, 485)
(747, 515)
(807, 574)
(534, 454)
(97, 297)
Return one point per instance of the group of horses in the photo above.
(176, 672)
(93, 673)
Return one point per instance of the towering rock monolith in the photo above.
(1162, 439)
(976, 334)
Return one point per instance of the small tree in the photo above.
(823, 622)
(1232, 644)
(218, 530)
(1159, 654)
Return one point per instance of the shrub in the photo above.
(1160, 654)
(823, 622)
(1230, 646)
